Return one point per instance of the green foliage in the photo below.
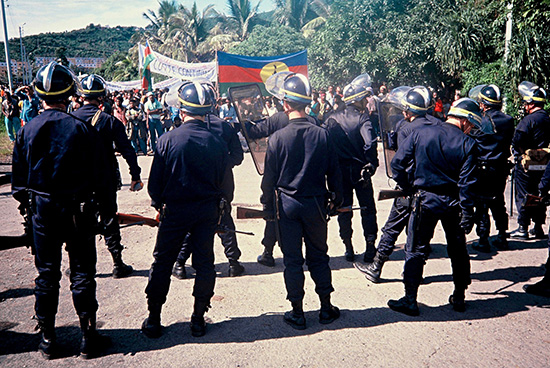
(119, 67)
(92, 41)
(271, 41)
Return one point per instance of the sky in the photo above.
(41, 16)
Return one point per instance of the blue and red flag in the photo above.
(235, 70)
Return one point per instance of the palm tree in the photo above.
(185, 30)
(243, 13)
(292, 13)
(166, 9)
(323, 11)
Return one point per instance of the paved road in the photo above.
(502, 327)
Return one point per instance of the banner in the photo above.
(172, 68)
(136, 84)
(236, 70)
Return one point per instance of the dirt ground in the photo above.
(502, 326)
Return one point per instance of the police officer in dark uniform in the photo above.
(113, 135)
(492, 168)
(444, 163)
(264, 128)
(532, 132)
(57, 175)
(355, 143)
(300, 159)
(226, 230)
(185, 185)
(542, 288)
(415, 105)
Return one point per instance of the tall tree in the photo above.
(243, 13)
(161, 18)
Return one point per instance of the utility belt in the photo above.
(443, 190)
(535, 159)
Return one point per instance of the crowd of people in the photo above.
(451, 164)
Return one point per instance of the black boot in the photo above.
(368, 257)
(501, 241)
(372, 270)
(92, 342)
(538, 233)
(541, 288)
(457, 300)
(151, 326)
(179, 270)
(120, 269)
(198, 325)
(520, 233)
(482, 245)
(266, 259)
(235, 268)
(349, 254)
(328, 313)
(295, 318)
(406, 304)
(47, 345)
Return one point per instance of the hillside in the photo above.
(92, 41)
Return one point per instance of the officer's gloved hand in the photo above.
(467, 222)
(367, 171)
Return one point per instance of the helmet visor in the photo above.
(274, 84)
(475, 93)
(396, 96)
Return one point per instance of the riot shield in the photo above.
(390, 112)
(248, 103)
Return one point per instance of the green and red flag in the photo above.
(148, 57)
(236, 70)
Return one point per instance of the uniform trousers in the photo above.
(493, 199)
(199, 221)
(54, 223)
(304, 219)
(527, 183)
(228, 238)
(434, 208)
(365, 196)
(396, 222)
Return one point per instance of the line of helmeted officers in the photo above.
(65, 176)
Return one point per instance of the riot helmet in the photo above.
(195, 99)
(531, 93)
(358, 89)
(55, 82)
(490, 96)
(93, 86)
(469, 109)
(417, 100)
(290, 87)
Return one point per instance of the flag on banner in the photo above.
(146, 71)
(235, 70)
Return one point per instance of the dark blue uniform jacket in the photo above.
(353, 137)
(235, 153)
(444, 161)
(189, 165)
(54, 156)
(300, 160)
(533, 131)
(495, 148)
(112, 131)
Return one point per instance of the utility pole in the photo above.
(6, 46)
(508, 31)
(23, 71)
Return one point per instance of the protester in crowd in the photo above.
(153, 110)
(10, 109)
